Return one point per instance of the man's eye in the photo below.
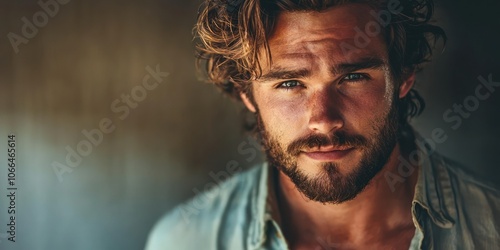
(354, 77)
(289, 85)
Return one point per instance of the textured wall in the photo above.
(67, 76)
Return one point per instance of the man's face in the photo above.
(327, 117)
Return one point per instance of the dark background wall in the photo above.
(89, 53)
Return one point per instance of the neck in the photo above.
(378, 212)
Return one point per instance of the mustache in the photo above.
(339, 139)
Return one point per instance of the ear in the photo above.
(247, 102)
(407, 84)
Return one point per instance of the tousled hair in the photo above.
(231, 33)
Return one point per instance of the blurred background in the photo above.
(64, 78)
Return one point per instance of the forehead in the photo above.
(338, 33)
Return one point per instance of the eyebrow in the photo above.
(280, 73)
(364, 63)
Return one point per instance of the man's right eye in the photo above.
(288, 85)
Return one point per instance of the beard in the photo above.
(330, 185)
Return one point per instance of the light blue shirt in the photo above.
(451, 210)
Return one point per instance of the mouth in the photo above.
(328, 153)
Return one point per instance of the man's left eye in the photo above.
(353, 77)
(288, 85)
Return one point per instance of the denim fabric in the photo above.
(451, 210)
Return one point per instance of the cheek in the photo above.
(284, 119)
(363, 107)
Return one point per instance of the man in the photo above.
(330, 84)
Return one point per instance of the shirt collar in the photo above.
(265, 209)
(260, 215)
(433, 191)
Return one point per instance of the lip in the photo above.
(328, 154)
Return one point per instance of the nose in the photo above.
(325, 111)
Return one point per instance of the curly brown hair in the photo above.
(232, 32)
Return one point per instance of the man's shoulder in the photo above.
(463, 203)
(222, 212)
(441, 171)
(462, 177)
